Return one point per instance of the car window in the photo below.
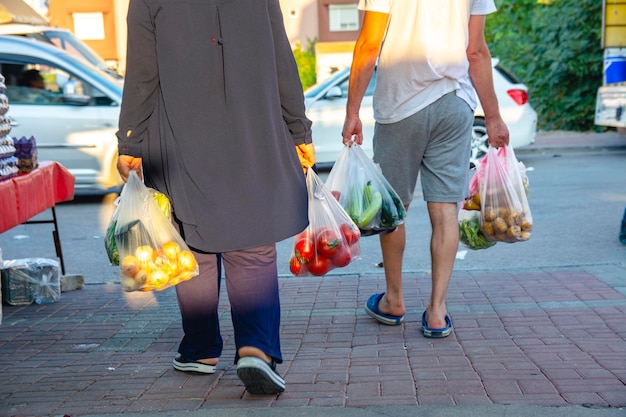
(370, 87)
(508, 75)
(46, 84)
(315, 90)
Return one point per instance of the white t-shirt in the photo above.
(424, 54)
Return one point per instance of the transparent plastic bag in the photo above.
(470, 233)
(153, 255)
(331, 240)
(505, 213)
(365, 194)
(110, 244)
(30, 280)
(473, 201)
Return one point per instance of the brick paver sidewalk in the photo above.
(551, 337)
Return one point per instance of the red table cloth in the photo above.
(27, 195)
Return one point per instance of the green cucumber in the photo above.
(370, 211)
(387, 216)
(355, 205)
(367, 194)
(399, 206)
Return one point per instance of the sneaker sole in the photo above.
(258, 377)
(200, 368)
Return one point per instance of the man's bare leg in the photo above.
(392, 246)
(443, 247)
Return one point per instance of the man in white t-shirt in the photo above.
(432, 60)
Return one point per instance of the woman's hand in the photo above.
(127, 163)
(306, 154)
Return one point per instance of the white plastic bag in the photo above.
(362, 190)
(505, 213)
(330, 241)
(153, 255)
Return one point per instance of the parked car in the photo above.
(326, 107)
(61, 38)
(73, 118)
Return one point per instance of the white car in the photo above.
(61, 38)
(326, 107)
(73, 118)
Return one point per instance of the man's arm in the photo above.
(481, 73)
(364, 59)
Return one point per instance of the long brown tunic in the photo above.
(214, 105)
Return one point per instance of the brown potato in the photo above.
(500, 225)
(501, 237)
(513, 218)
(489, 214)
(525, 235)
(514, 232)
(488, 229)
(526, 226)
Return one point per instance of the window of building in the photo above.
(343, 17)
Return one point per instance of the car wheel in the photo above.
(480, 142)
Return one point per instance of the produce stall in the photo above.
(25, 196)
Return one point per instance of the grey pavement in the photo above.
(527, 342)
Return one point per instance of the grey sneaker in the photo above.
(185, 365)
(258, 376)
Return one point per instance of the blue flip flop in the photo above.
(436, 333)
(371, 308)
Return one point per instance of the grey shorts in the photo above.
(434, 142)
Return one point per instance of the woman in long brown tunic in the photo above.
(213, 113)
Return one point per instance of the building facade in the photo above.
(333, 25)
(101, 24)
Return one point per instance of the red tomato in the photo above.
(305, 233)
(295, 266)
(342, 257)
(336, 194)
(305, 250)
(319, 265)
(328, 242)
(350, 233)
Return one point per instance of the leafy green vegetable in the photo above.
(110, 244)
(471, 235)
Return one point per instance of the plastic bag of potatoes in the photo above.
(504, 211)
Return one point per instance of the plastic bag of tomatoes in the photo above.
(330, 241)
(152, 254)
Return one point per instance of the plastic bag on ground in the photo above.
(29, 280)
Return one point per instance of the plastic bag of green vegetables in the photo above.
(366, 195)
(470, 233)
(109, 238)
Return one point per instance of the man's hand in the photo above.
(306, 153)
(498, 132)
(127, 163)
(352, 131)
